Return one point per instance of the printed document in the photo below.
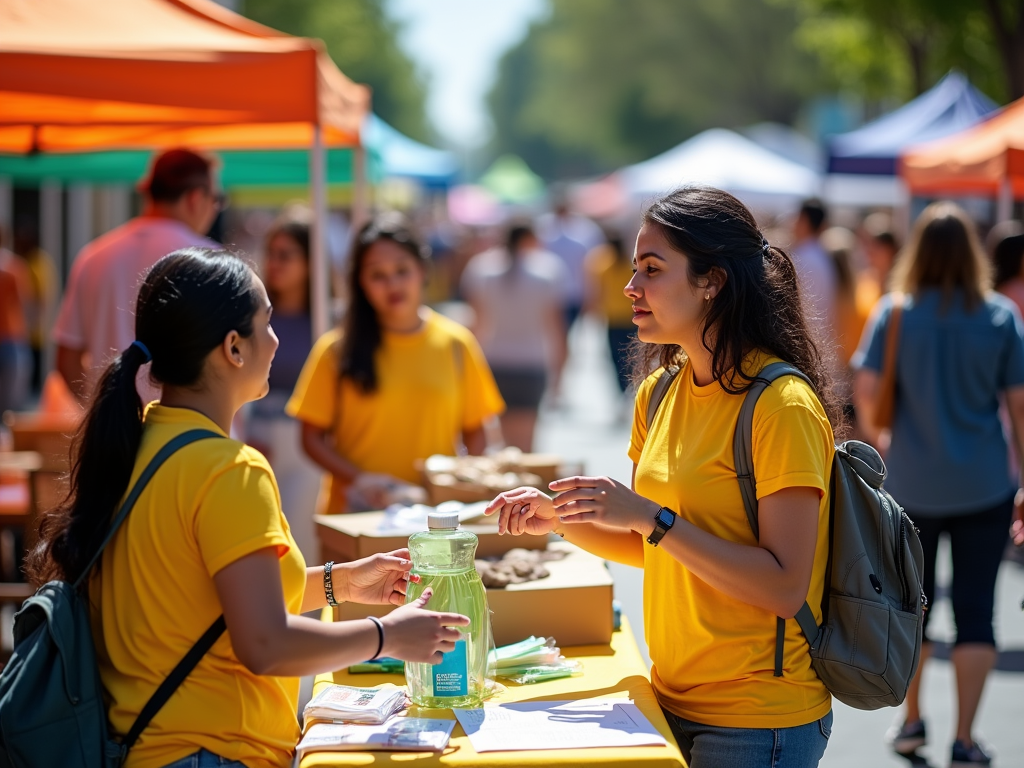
(533, 725)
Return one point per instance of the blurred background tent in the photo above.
(767, 182)
(862, 164)
(986, 160)
(510, 180)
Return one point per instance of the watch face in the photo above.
(666, 517)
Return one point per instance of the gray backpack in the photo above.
(868, 646)
(51, 699)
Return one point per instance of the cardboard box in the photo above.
(355, 535)
(572, 605)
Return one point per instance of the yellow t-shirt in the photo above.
(713, 656)
(431, 386)
(210, 504)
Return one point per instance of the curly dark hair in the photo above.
(759, 306)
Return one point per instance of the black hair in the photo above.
(299, 232)
(362, 333)
(176, 172)
(814, 211)
(759, 305)
(516, 234)
(189, 302)
(1007, 257)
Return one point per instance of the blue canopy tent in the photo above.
(952, 105)
(401, 157)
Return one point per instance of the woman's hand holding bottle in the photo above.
(381, 579)
(413, 633)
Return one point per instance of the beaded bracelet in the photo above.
(328, 586)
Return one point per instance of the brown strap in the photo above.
(885, 403)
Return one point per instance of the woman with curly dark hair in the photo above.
(714, 300)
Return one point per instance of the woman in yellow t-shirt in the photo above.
(711, 296)
(207, 537)
(396, 383)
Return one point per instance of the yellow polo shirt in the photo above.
(713, 655)
(431, 386)
(211, 504)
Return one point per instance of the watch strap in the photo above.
(660, 529)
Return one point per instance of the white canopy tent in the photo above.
(768, 183)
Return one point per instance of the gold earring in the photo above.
(707, 297)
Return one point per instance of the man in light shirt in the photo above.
(97, 315)
(814, 269)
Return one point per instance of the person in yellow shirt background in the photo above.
(395, 383)
(609, 267)
(711, 296)
(207, 537)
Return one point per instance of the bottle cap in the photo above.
(442, 520)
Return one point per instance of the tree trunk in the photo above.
(917, 50)
(1009, 36)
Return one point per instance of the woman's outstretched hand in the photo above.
(603, 501)
(523, 510)
(381, 579)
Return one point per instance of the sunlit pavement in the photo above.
(588, 424)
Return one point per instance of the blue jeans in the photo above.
(204, 759)
(711, 746)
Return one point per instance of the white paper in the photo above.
(534, 725)
(397, 734)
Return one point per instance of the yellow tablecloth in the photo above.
(610, 671)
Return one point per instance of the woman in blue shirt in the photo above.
(960, 350)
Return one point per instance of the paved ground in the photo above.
(589, 425)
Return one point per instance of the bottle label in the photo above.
(451, 676)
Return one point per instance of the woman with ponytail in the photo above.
(712, 297)
(207, 537)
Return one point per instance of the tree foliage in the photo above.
(884, 48)
(599, 83)
(362, 40)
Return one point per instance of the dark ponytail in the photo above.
(189, 301)
(759, 306)
(362, 335)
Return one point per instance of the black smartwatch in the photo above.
(662, 522)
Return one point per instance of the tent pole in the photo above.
(6, 206)
(360, 201)
(319, 292)
(1004, 203)
(51, 240)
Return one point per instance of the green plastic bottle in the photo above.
(443, 559)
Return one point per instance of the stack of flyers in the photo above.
(355, 705)
(398, 734)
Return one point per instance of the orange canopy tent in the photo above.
(77, 75)
(81, 75)
(987, 159)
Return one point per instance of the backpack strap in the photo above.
(171, 683)
(172, 447)
(659, 391)
(188, 663)
(743, 454)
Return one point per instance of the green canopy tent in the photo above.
(239, 168)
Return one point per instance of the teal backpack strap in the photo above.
(659, 391)
(172, 447)
(743, 454)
